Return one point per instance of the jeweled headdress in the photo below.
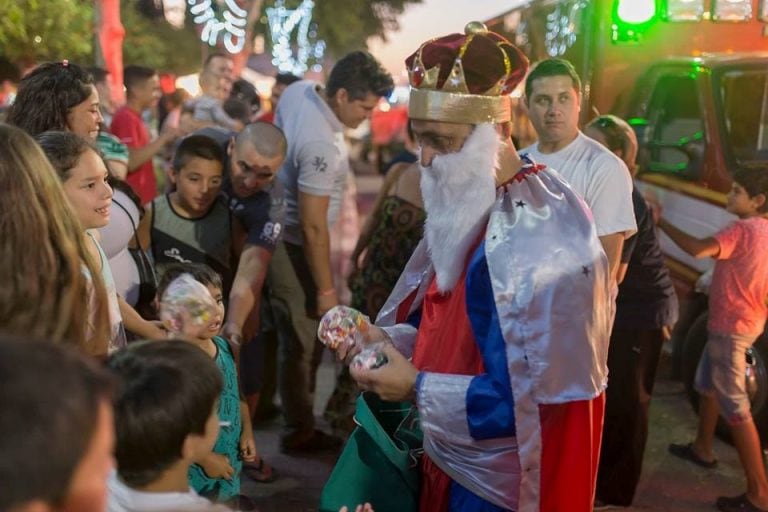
(465, 78)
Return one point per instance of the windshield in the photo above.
(744, 104)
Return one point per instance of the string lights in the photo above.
(282, 23)
(231, 29)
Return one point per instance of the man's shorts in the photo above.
(722, 372)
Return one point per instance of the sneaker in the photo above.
(317, 441)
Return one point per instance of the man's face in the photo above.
(437, 138)
(251, 172)
(147, 93)
(353, 112)
(223, 69)
(554, 107)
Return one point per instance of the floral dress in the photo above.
(228, 442)
(399, 229)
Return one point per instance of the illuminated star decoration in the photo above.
(282, 23)
(231, 30)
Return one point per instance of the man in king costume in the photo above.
(500, 321)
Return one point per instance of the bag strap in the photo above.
(142, 254)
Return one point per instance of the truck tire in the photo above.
(756, 375)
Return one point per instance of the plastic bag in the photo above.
(187, 307)
(343, 325)
(371, 357)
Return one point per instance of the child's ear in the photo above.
(172, 175)
(191, 447)
(759, 201)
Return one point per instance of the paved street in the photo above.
(668, 484)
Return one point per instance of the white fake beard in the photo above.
(459, 190)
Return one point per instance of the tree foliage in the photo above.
(40, 30)
(156, 44)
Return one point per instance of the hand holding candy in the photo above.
(370, 358)
(187, 307)
(341, 328)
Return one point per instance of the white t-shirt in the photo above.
(124, 499)
(599, 177)
(317, 162)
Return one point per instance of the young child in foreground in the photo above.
(165, 420)
(192, 309)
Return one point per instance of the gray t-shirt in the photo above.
(317, 162)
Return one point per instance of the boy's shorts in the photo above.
(722, 372)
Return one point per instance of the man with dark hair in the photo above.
(142, 87)
(165, 420)
(314, 175)
(56, 433)
(553, 98)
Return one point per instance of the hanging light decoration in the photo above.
(731, 10)
(684, 10)
(231, 30)
(562, 27)
(282, 23)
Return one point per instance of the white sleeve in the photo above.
(610, 197)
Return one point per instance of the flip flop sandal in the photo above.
(261, 472)
(685, 452)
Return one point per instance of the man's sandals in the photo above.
(259, 471)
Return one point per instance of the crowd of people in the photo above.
(518, 297)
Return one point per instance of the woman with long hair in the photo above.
(45, 293)
(57, 96)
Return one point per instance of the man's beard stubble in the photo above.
(459, 190)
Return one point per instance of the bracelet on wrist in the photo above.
(326, 293)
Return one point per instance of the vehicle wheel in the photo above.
(756, 376)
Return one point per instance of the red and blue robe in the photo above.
(497, 437)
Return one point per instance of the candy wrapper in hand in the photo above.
(343, 325)
(187, 306)
(371, 358)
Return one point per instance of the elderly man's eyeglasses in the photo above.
(257, 172)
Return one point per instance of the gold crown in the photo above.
(453, 102)
(422, 78)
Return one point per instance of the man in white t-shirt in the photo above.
(300, 279)
(553, 98)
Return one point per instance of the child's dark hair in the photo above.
(167, 390)
(135, 75)
(47, 94)
(237, 109)
(50, 395)
(755, 181)
(196, 146)
(200, 271)
(63, 150)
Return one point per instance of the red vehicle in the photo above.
(691, 76)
